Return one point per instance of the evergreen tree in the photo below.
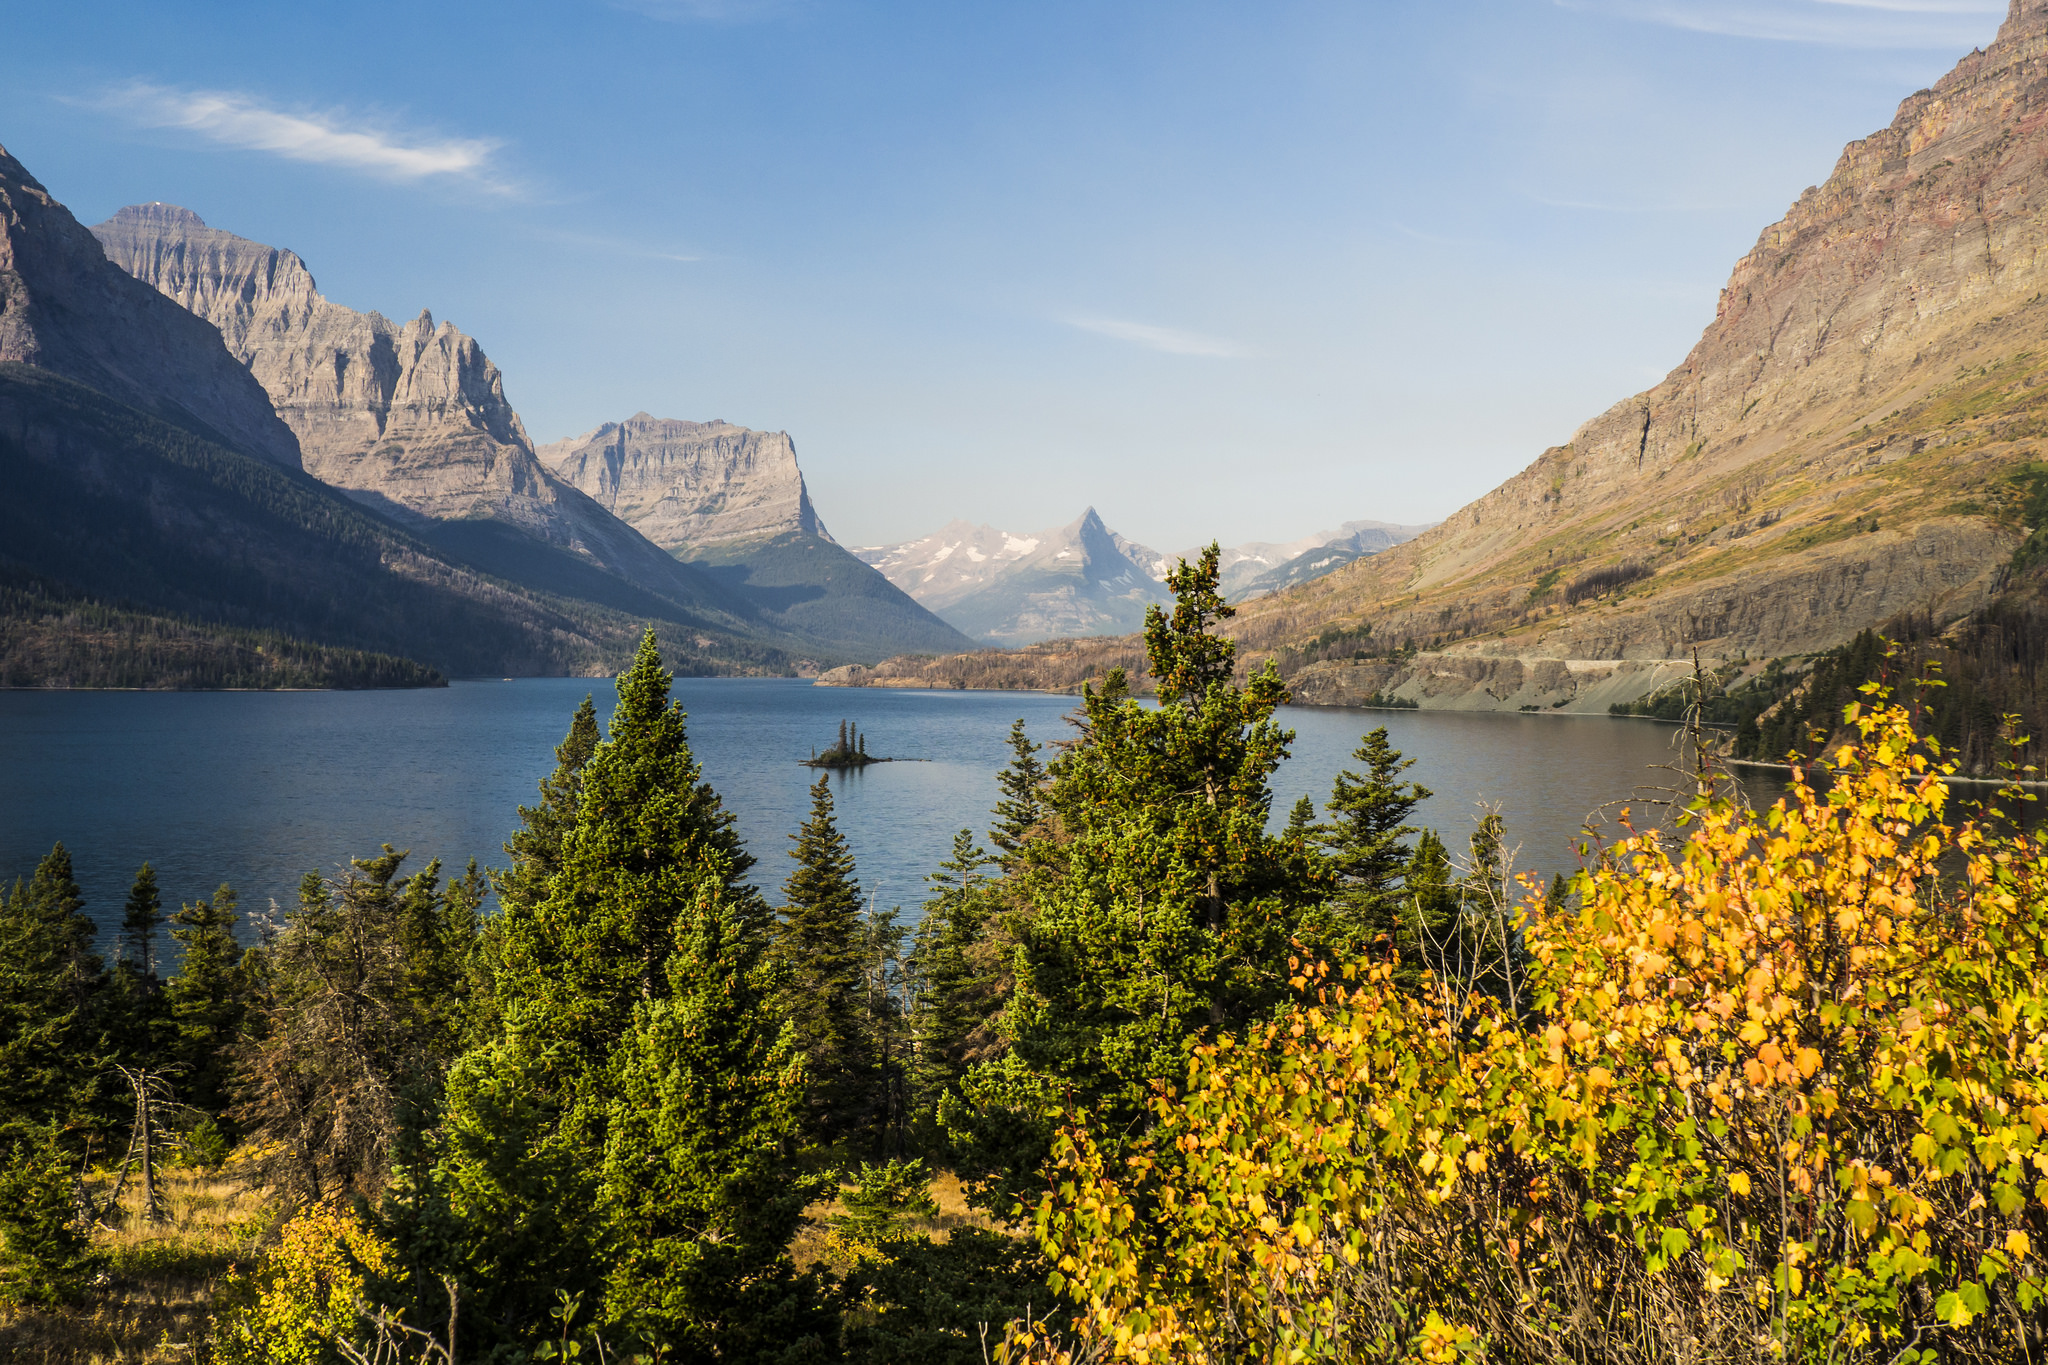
(529, 1204)
(953, 996)
(536, 846)
(362, 1020)
(1022, 809)
(820, 944)
(1168, 914)
(696, 1176)
(141, 917)
(1365, 840)
(46, 1256)
(209, 1000)
(53, 1047)
(141, 1013)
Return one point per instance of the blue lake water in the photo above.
(256, 788)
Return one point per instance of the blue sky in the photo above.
(1221, 270)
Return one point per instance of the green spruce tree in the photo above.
(1021, 811)
(1365, 839)
(209, 999)
(697, 1178)
(954, 996)
(529, 1203)
(54, 1046)
(820, 943)
(141, 1013)
(536, 846)
(1169, 914)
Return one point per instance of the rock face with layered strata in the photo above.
(686, 485)
(64, 308)
(409, 417)
(1837, 449)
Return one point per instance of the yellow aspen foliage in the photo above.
(1781, 1096)
(306, 1298)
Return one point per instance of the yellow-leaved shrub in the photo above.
(1781, 1097)
(306, 1301)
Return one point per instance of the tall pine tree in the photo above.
(1168, 913)
(541, 1190)
(209, 998)
(1021, 810)
(954, 996)
(53, 1044)
(1365, 839)
(820, 942)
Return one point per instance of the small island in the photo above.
(851, 751)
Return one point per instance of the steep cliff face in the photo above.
(65, 309)
(689, 484)
(1837, 448)
(410, 418)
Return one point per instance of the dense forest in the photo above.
(53, 637)
(1153, 1077)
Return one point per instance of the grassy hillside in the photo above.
(121, 507)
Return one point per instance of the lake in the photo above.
(256, 788)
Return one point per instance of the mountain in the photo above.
(690, 484)
(408, 418)
(63, 311)
(145, 475)
(1332, 551)
(731, 503)
(1855, 438)
(1014, 590)
(1846, 443)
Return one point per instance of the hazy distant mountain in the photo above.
(689, 484)
(732, 503)
(1015, 589)
(1332, 551)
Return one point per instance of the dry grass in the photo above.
(159, 1281)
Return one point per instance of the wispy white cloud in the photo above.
(1172, 340)
(236, 119)
(1838, 23)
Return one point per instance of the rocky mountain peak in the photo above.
(688, 485)
(65, 308)
(156, 214)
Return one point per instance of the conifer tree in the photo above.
(536, 846)
(954, 996)
(209, 1000)
(531, 1206)
(696, 1171)
(46, 1257)
(1169, 913)
(1365, 839)
(1022, 808)
(141, 917)
(142, 1019)
(53, 1046)
(820, 945)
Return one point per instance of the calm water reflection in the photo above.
(256, 788)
